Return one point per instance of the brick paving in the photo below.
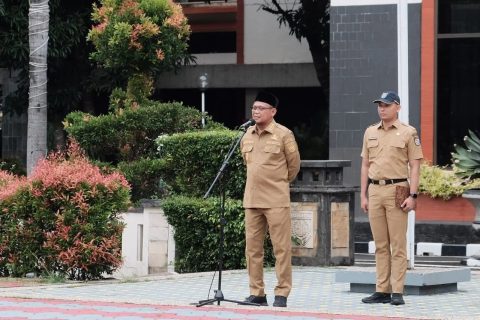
(315, 295)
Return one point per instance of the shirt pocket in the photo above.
(272, 152)
(398, 147)
(372, 145)
(247, 149)
(272, 147)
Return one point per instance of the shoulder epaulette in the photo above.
(406, 125)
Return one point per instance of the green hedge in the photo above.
(196, 222)
(129, 134)
(126, 139)
(145, 178)
(193, 159)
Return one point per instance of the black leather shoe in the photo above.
(280, 301)
(397, 299)
(378, 297)
(257, 299)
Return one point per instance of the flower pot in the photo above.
(456, 209)
(473, 195)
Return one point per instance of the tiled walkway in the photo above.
(315, 295)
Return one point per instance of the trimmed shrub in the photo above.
(129, 134)
(145, 177)
(63, 220)
(193, 159)
(126, 139)
(197, 222)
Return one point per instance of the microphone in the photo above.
(247, 124)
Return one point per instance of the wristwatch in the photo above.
(414, 195)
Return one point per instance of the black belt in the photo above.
(386, 181)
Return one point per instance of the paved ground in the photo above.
(315, 295)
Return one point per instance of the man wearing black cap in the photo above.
(271, 154)
(391, 156)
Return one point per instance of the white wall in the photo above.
(265, 42)
(216, 58)
(148, 246)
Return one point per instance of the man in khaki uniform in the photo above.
(391, 156)
(271, 155)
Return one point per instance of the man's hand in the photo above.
(409, 204)
(364, 204)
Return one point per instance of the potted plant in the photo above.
(466, 164)
(441, 194)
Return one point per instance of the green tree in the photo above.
(139, 38)
(73, 82)
(309, 19)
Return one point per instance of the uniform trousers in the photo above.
(278, 222)
(389, 227)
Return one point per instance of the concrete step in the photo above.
(418, 281)
(368, 259)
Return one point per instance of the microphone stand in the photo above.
(218, 293)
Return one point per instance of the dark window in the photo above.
(458, 16)
(213, 42)
(227, 106)
(458, 74)
(458, 108)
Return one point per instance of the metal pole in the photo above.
(402, 44)
(411, 240)
(203, 109)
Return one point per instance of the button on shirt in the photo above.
(273, 161)
(389, 151)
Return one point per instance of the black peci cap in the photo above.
(267, 97)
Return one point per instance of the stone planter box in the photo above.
(457, 209)
(473, 196)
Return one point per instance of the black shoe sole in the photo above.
(383, 301)
(246, 303)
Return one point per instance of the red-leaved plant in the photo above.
(63, 219)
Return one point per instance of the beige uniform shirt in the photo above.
(389, 151)
(273, 161)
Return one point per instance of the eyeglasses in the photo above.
(254, 108)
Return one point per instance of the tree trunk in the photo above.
(38, 17)
(319, 53)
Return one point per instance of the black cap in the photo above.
(267, 97)
(388, 97)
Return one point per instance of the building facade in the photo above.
(242, 49)
(428, 51)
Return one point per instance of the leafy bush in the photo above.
(139, 36)
(126, 139)
(13, 166)
(130, 134)
(192, 160)
(145, 177)
(196, 222)
(441, 182)
(63, 219)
